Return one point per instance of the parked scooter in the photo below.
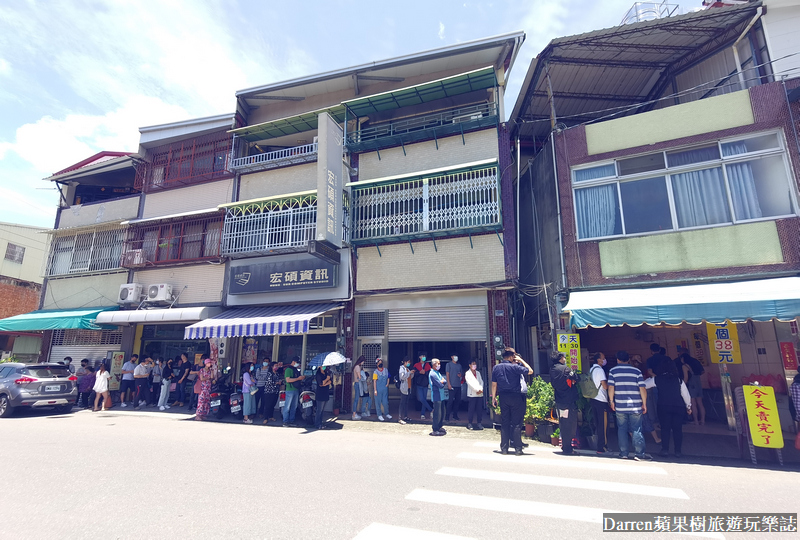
(220, 397)
(236, 400)
(307, 402)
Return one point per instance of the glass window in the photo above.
(645, 204)
(318, 344)
(598, 213)
(14, 253)
(50, 372)
(759, 188)
(256, 348)
(692, 155)
(640, 164)
(593, 173)
(288, 347)
(700, 198)
(753, 144)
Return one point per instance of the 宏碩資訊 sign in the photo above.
(306, 272)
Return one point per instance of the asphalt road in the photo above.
(122, 474)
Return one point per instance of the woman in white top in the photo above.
(475, 396)
(101, 388)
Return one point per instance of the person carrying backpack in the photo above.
(600, 401)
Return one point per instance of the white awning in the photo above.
(259, 321)
(171, 216)
(155, 316)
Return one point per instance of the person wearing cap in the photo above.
(438, 383)
(453, 377)
(292, 376)
(206, 378)
(565, 387)
(422, 368)
(506, 391)
(627, 397)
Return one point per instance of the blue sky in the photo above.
(79, 77)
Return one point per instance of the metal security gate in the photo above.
(80, 344)
(463, 323)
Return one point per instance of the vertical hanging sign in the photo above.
(762, 416)
(570, 344)
(723, 343)
(329, 182)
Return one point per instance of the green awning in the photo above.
(287, 126)
(480, 79)
(55, 319)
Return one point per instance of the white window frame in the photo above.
(102, 241)
(668, 171)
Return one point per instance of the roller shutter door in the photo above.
(467, 323)
(78, 352)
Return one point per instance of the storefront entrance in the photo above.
(167, 341)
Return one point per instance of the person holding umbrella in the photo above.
(324, 382)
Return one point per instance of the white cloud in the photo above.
(5, 67)
(441, 30)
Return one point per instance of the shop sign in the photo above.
(117, 359)
(570, 344)
(789, 356)
(330, 178)
(723, 342)
(762, 416)
(306, 273)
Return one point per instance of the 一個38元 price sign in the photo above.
(723, 342)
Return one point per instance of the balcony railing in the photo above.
(417, 128)
(458, 202)
(173, 242)
(279, 158)
(278, 227)
(97, 250)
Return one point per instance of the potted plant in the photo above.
(530, 418)
(541, 399)
(555, 438)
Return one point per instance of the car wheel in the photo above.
(6, 409)
(64, 409)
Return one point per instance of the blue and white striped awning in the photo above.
(258, 321)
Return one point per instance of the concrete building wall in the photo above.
(780, 28)
(34, 241)
(203, 282)
(477, 146)
(278, 182)
(451, 262)
(80, 215)
(187, 199)
(85, 291)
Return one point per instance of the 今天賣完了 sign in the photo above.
(762, 416)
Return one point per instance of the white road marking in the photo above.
(575, 483)
(573, 462)
(537, 448)
(153, 414)
(381, 531)
(527, 508)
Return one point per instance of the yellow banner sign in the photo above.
(762, 416)
(723, 342)
(570, 344)
(117, 359)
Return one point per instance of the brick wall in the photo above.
(582, 259)
(17, 297)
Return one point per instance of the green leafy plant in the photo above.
(556, 434)
(11, 358)
(541, 398)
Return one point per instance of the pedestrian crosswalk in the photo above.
(544, 487)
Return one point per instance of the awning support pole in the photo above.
(463, 141)
(403, 147)
(434, 244)
(412, 246)
(435, 139)
(379, 250)
(470, 241)
(498, 237)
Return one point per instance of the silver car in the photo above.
(36, 385)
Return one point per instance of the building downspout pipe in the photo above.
(558, 210)
(739, 72)
(517, 209)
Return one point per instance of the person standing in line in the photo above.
(205, 378)
(358, 371)
(180, 380)
(405, 374)
(437, 383)
(380, 382)
(453, 377)
(674, 402)
(167, 376)
(506, 390)
(292, 376)
(127, 384)
(141, 376)
(422, 369)
(262, 373)
(794, 401)
(565, 386)
(156, 376)
(85, 387)
(81, 373)
(691, 369)
(248, 395)
(600, 401)
(627, 397)
(322, 395)
(475, 396)
(272, 390)
(101, 388)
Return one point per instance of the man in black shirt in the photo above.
(565, 386)
(507, 385)
(322, 394)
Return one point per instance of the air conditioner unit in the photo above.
(467, 118)
(222, 348)
(133, 257)
(130, 293)
(160, 292)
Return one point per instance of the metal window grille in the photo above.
(370, 351)
(86, 337)
(371, 323)
(173, 241)
(89, 251)
(279, 158)
(461, 200)
(270, 226)
(186, 162)
(14, 253)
